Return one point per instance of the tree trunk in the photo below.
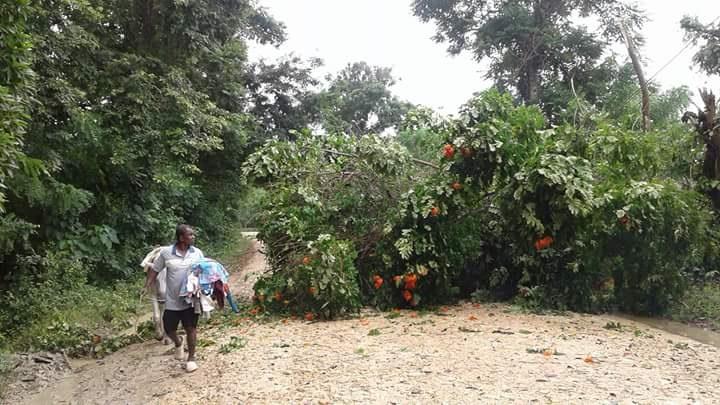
(529, 84)
(632, 50)
(530, 80)
(708, 127)
(533, 81)
(148, 28)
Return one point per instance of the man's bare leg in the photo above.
(172, 334)
(191, 333)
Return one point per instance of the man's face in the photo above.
(188, 237)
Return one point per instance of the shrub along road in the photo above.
(461, 354)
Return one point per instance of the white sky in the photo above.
(385, 33)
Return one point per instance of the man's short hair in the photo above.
(180, 230)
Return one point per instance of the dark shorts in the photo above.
(188, 317)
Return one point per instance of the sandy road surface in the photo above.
(464, 354)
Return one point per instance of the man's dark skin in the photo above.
(185, 240)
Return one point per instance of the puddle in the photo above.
(691, 332)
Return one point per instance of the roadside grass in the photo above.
(700, 306)
(94, 321)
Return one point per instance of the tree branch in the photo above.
(418, 161)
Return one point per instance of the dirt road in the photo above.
(462, 354)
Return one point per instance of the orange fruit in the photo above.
(378, 281)
(410, 281)
(448, 151)
(407, 295)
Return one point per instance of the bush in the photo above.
(52, 307)
(645, 237)
(559, 217)
(326, 185)
(324, 281)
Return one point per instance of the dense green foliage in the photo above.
(15, 89)
(135, 116)
(328, 197)
(560, 218)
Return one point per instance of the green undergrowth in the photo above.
(73, 319)
(86, 320)
(699, 306)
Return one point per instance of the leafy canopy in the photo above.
(708, 56)
(358, 101)
(530, 43)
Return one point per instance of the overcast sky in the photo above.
(385, 33)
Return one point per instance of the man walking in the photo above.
(178, 258)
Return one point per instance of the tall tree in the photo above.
(137, 104)
(528, 42)
(707, 120)
(707, 125)
(359, 101)
(281, 96)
